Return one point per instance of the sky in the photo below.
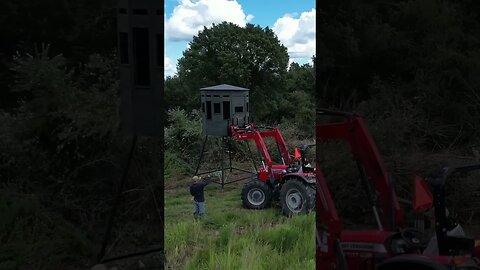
(293, 21)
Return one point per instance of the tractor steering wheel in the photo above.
(414, 238)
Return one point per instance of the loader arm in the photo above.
(328, 226)
(275, 133)
(354, 131)
(251, 133)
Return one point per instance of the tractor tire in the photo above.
(256, 195)
(296, 197)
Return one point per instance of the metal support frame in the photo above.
(251, 155)
(201, 154)
(111, 221)
(221, 161)
(117, 199)
(226, 144)
(135, 254)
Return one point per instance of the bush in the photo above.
(35, 237)
(175, 166)
(61, 154)
(183, 135)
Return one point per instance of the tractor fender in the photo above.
(308, 179)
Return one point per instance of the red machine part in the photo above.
(382, 248)
(365, 152)
(291, 182)
(328, 225)
(362, 246)
(275, 133)
(330, 237)
(248, 133)
(423, 199)
(251, 132)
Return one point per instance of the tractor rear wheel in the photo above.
(256, 195)
(296, 197)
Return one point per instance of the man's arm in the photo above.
(207, 181)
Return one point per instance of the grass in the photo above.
(35, 237)
(231, 237)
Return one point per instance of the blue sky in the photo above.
(292, 20)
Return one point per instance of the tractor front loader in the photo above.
(391, 245)
(293, 183)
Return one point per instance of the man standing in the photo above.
(196, 190)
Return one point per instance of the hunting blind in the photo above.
(140, 53)
(140, 45)
(222, 106)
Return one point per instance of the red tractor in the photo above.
(391, 245)
(292, 181)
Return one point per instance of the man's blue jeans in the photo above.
(199, 209)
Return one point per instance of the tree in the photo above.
(75, 29)
(298, 104)
(424, 52)
(301, 77)
(249, 56)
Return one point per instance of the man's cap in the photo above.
(196, 178)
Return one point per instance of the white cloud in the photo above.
(297, 34)
(190, 16)
(169, 67)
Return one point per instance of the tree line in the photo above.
(250, 57)
(411, 68)
(61, 149)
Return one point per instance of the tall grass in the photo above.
(231, 237)
(34, 237)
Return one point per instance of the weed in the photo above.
(231, 237)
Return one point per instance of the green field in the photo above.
(231, 237)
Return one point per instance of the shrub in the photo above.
(183, 135)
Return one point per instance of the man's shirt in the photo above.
(196, 190)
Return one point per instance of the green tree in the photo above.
(298, 104)
(61, 154)
(75, 29)
(250, 57)
(424, 52)
(301, 77)
(299, 108)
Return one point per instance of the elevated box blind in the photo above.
(223, 105)
(140, 34)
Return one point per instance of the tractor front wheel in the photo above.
(256, 195)
(296, 197)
